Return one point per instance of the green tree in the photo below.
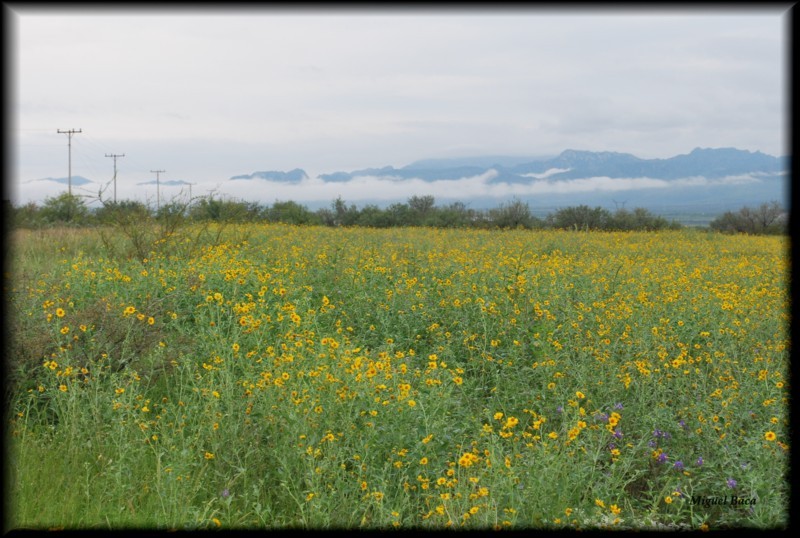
(768, 218)
(422, 207)
(580, 217)
(24, 216)
(291, 213)
(344, 215)
(64, 209)
(638, 219)
(514, 214)
(455, 215)
(399, 214)
(122, 211)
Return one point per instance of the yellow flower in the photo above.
(60, 312)
(151, 320)
(412, 403)
(62, 388)
(209, 456)
(599, 503)
(64, 330)
(615, 509)
(129, 310)
(467, 459)
(423, 461)
(580, 395)
(668, 499)
(770, 436)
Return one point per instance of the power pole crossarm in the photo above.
(69, 145)
(115, 173)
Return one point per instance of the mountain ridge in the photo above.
(711, 163)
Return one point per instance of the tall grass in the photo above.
(312, 377)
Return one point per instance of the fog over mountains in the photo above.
(707, 181)
(570, 164)
(704, 181)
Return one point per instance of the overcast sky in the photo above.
(206, 95)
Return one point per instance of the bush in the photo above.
(290, 213)
(639, 219)
(64, 209)
(515, 214)
(580, 218)
(765, 219)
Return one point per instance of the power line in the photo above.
(115, 172)
(69, 145)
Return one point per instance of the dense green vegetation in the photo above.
(417, 211)
(177, 375)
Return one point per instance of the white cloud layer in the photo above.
(315, 191)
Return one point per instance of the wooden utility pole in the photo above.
(69, 145)
(115, 173)
(158, 194)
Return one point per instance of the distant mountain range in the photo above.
(293, 176)
(76, 180)
(570, 164)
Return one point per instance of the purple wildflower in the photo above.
(731, 483)
(618, 406)
(678, 465)
(652, 443)
(662, 457)
(225, 493)
(617, 433)
(560, 408)
(699, 461)
(682, 423)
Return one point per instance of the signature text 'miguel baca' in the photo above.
(733, 500)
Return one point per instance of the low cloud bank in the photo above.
(373, 188)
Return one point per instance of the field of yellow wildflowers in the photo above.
(308, 377)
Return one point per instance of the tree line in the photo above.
(72, 210)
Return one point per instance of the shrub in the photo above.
(765, 219)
